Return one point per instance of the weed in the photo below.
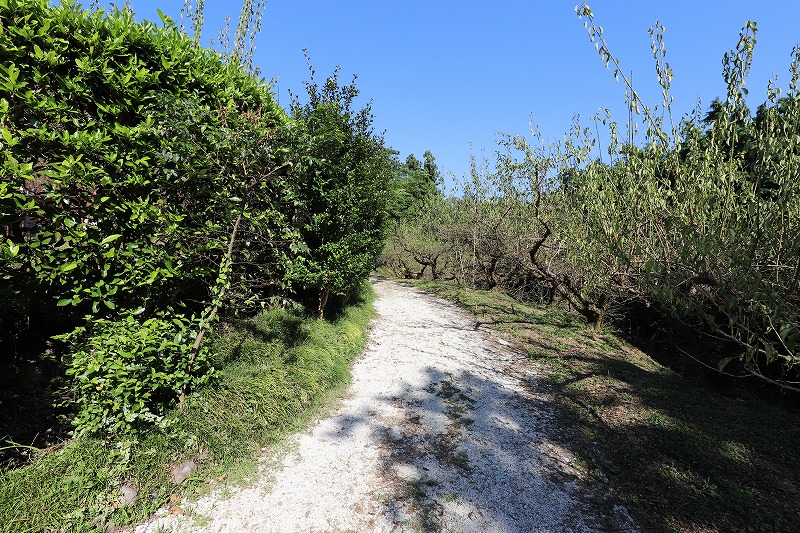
(447, 389)
(461, 459)
(458, 409)
(415, 489)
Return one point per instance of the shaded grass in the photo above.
(679, 455)
(277, 371)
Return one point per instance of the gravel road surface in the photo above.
(441, 429)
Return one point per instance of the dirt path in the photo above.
(440, 430)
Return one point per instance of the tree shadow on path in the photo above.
(470, 453)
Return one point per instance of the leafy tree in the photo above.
(699, 219)
(338, 187)
(412, 185)
(412, 163)
(428, 240)
(430, 167)
(706, 221)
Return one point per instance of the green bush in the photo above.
(129, 155)
(118, 155)
(127, 373)
(145, 176)
(339, 185)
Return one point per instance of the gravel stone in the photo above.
(183, 471)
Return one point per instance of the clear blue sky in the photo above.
(445, 75)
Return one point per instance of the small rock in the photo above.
(128, 495)
(183, 471)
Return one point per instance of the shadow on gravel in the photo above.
(466, 453)
(681, 454)
(494, 461)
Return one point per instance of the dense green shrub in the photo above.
(149, 180)
(339, 187)
(106, 200)
(131, 158)
(127, 373)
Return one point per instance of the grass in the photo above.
(679, 454)
(278, 370)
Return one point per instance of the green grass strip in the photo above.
(277, 371)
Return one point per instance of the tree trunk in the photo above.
(593, 317)
(491, 274)
(323, 301)
(434, 272)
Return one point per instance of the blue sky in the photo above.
(448, 75)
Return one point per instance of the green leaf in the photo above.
(10, 141)
(110, 238)
(13, 248)
(785, 330)
(66, 301)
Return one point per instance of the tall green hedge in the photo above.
(118, 162)
(339, 184)
(151, 185)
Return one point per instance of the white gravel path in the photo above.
(441, 430)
